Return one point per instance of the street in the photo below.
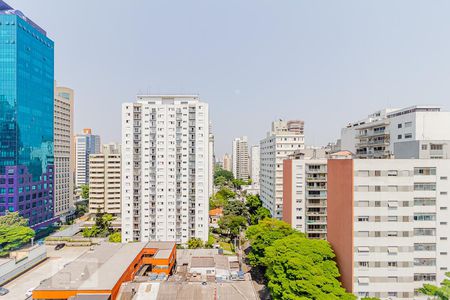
(31, 279)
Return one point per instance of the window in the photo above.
(408, 136)
(424, 171)
(399, 137)
(425, 231)
(408, 124)
(392, 264)
(424, 217)
(425, 186)
(363, 264)
(399, 125)
(363, 219)
(436, 147)
(424, 277)
(392, 218)
(424, 147)
(424, 201)
(424, 247)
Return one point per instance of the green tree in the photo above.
(439, 292)
(219, 172)
(256, 210)
(195, 243)
(232, 225)
(263, 234)
(93, 231)
(102, 226)
(13, 219)
(226, 193)
(301, 268)
(220, 181)
(236, 208)
(260, 214)
(85, 191)
(80, 209)
(13, 237)
(116, 237)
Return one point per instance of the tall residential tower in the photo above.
(165, 168)
(86, 144)
(240, 158)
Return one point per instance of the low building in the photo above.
(102, 271)
(214, 216)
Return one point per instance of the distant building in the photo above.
(85, 144)
(165, 168)
(227, 163)
(105, 183)
(64, 150)
(377, 135)
(212, 161)
(254, 165)
(240, 158)
(284, 139)
(111, 148)
(26, 118)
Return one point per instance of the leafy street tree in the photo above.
(220, 181)
(232, 225)
(260, 214)
(255, 209)
(102, 227)
(221, 198)
(263, 234)
(439, 292)
(13, 219)
(301, 268)
(195, 243)
(116, 237)
(14, 232)
(85, 191)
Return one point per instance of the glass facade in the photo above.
(26, 118)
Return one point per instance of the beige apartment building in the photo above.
(63, 150)
(104, 183)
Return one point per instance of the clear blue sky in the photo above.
(253, 61)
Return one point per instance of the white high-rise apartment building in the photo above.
(388, 223)
(63, 150)
(211, 161)
(105, 182)
(254, 165)
(165, 168)
(285, 138)
(85, 145)
(240, 158)
(378, 134)
(111, 148)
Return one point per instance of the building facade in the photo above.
(105, 183)
(254, 165)
(227, 163)
(85, 145)
(388, 224)
(284, 139)
(240, 158)
(111, 148)
(165, 168)
(64, 150)
(375, 136)
(26, 118)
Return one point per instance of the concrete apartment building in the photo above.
(212, 161)
(240, 158)
(284, 139)
(85, 145)
(105, 183)
(377, 135)
(165, 168)
(227, 163)
(305, 192)
(63, 150)
(388, 224)
(254, 165)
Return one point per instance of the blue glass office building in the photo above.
(26, 118)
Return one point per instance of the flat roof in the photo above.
(99, 269)
(202, 262)
(163, 254)
(160, 245)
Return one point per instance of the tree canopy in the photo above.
(256, 210)
(102, 227)
(85, 191)
(195, 243)
(14, 232)
(439, 292)
(116, 237)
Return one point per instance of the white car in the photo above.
(29, 293)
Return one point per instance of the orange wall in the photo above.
(287, 191)
(65, 294)
(340, 216)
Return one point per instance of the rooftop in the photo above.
(6, 9)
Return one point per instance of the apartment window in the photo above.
(424, 147)
(425, 231)
(424, 171)
(377, 173)
(363, 264)
(424, 277)
(392, 264)
(408, 124)
(436, 147)
(425, 247)
(392, 233)
(419, 262)
(425, 186)
(392, 218)
(392, 173)
(363, 219)
(424, 217)
(399, 125)
(399, 137)
(424, 201)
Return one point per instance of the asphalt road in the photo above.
(31, 279)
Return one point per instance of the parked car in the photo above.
(29, 293)
(3, 291)
(60, 246)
